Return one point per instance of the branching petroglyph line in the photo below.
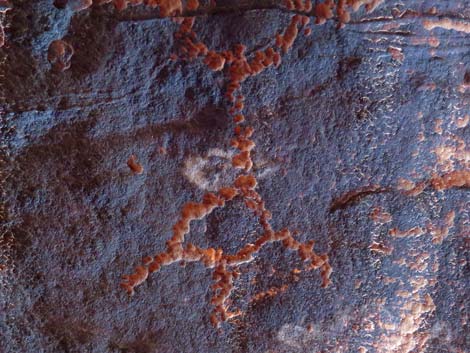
(239, 69)
(238, 65)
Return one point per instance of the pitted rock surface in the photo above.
(352, 131)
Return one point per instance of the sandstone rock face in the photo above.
(362, 145)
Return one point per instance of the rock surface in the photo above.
(351, 120)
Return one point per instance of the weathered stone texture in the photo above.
(342, 127)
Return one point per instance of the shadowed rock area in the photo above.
(361, 134)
